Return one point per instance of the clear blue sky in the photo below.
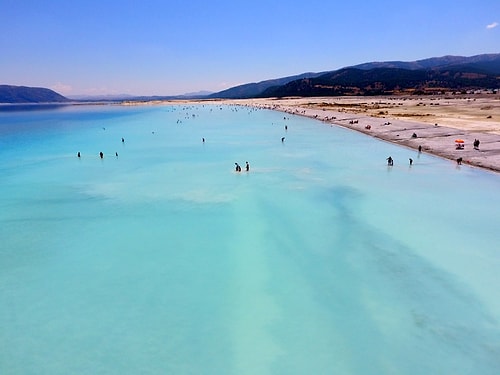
(172, 47)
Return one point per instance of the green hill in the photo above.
(252, 90)
(447, 73)
(387, 81)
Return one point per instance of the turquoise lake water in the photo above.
(164, 260)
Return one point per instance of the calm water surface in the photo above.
(164, 260)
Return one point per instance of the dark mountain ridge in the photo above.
(387, 81)
(251, 90)
(24, 95)
(488, 62)
(377, 78)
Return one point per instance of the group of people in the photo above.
(238, 167)
(101, 154)
(390, 161)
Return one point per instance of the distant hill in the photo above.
(100, 98)
(197, 94)
(376, 78)
(487, 63)
(128, 97)
(387, 81)
(22, 94)
(251, 90)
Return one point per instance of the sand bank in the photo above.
(435, 121)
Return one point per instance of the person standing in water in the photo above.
(247, 166)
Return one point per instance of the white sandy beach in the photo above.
(436, 121)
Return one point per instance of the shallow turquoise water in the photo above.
(320, 259)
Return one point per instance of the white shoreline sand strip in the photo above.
(433, 138)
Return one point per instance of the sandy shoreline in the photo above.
(437, 121)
